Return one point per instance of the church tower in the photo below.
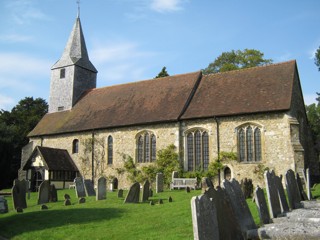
(73, 74)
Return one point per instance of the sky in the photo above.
(131, 40)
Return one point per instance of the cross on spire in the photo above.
(78, 2)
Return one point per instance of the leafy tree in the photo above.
(233, 60)
(163, 73)
(14, 127)
(313, 113)
(317, 58)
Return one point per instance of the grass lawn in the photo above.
(106, 219)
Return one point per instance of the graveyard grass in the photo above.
(106, 219)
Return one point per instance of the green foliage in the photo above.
(226, 156)
(214, 168)
(163, 73)
(260, 169)
(233, 60)
(313, 113)
(317, 58)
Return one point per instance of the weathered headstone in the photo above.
(262, 206)
(82, 200)
(80, 192)
(44, 191)
(53, 195)
(282, 196)
(19, 194)
(272, 194)
(247, 187)
(170, 199)
(102, 188)
(145, 191)
(3, 205)
(292, 190)
(67, 196)
(159, 182)
(229, 227)
(188, 189)
(303, 195)
(120, 193)
(44, 207)
(308, 185)
(239, 205)
(67, 202)
(206, 183)
(204, 218)
(89, 188)
(133, 194)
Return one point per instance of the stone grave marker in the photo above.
(19, 194)
(89, 188)
(308, 184)
(44, 191)
(53, 195)
(67, 202)
(239, 205)
(133, 194)
(145, 191)
(80, 192)
(170, 199)
(229, 228)
(159, 182)
(206, 183)
(272, 194)
(102, 189)
(120, 193)
(44, 207)
(67, 196)
(204, 218)
(19, 210)
(82, 200)
(292, 190)
(262, 206)
(303, 195)
(188, 189)
(282, 196)
(3, 205)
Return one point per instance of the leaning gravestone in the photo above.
(272, 193)
(303, 195)
(80, 192)
(308, 184)
(292, 190)
(262, 206)
(206, 183)
(89, 188)
(204, 218)
(53, 195)
(3, 205)
(145, 191)
(133, 194)
(44, 191)
(102, 188)
(120, 193)
(239, 205)
(159, 182)
(19, 194)
(282, 196)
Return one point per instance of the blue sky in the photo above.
(131, 40)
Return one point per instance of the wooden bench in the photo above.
(183, 183)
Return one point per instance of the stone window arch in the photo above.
(75, 146)
(249, 141)
(146, 145)
(197, 149)
(110, 150)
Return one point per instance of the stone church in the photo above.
(256, 113)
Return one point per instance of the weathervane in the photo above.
(78, 2)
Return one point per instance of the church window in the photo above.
(197, 150)
(110, 150)
(146, 147)
(62, 73)
(249, 143)
(75, 146)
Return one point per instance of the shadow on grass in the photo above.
(28, 222)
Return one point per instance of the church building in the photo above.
(256, 113)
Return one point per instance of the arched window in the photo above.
(146, 147)
(249, 143)
(197, 149)
(75, 146)
(110, 150)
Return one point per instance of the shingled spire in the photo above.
(72, 74)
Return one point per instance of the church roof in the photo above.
(186, 96)
(75, 52)
(54, 159)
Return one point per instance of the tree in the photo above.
(313, 113)
(14, 127)
(233, 60)
(163, 73)
(317, 58)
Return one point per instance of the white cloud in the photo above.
(15, 38)
(166, 5)
(6, 102)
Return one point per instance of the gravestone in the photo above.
(102, 188)
(3, 205)
(145, 191)
(53, 195)
(282, 196)
(19, 194)
(188, 189)
(272, 194)
(66, 196)
(262, 206)
(308, 184)
(44, 191)
(80, 192)
(303, 195)
(229, 227)
(170, 199)
(292, 190)
(82, 200)
(206, 183)
(44, 207)
(89, 188)
(120, 193)
(19, 210)
(247, 187)
(133, 194)
(159, 182)
(239, 205)
(67, 202)
(204, 218)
